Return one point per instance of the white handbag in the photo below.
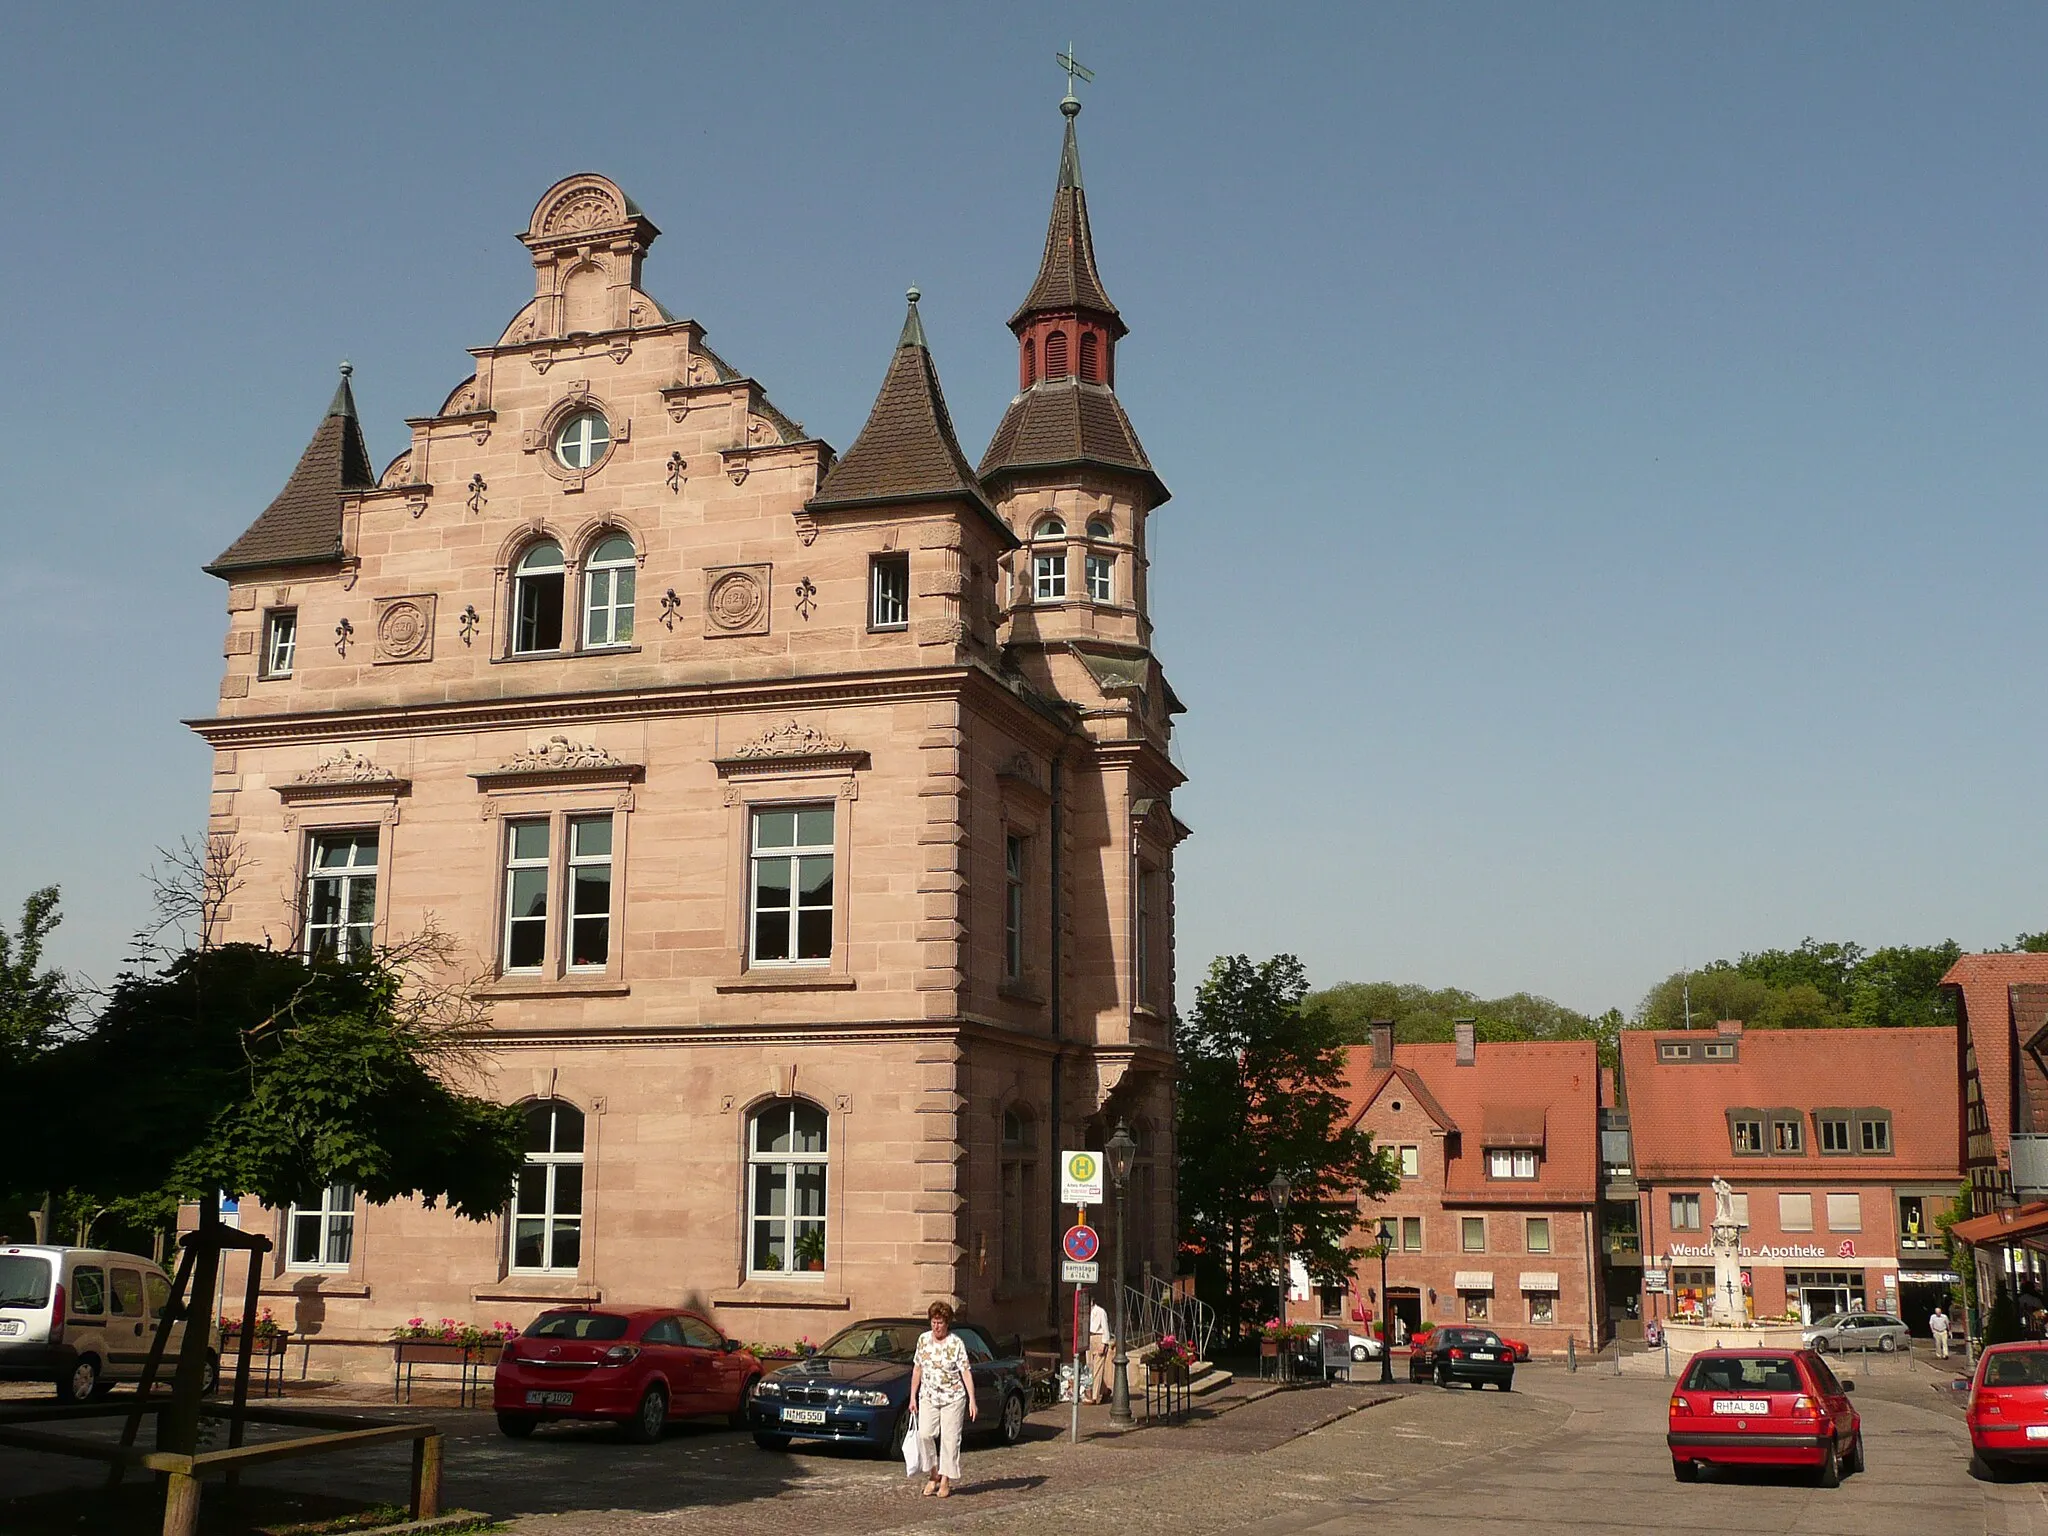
(913, 1453)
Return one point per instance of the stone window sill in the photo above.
(758, 1294)
(594, 651)
(304, 1283)
(540, 1288)
(545, 986)
(793, 980)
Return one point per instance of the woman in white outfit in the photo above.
(942, 1387)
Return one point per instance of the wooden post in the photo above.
(426, 1478)
(177, 1427)
(181, 1505)
(174, 1306)
(245, 1345)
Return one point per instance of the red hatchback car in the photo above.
(638, 1367)
(2008, 1412)
(1764, 1408)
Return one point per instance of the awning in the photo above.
(1472, 1280)
(2019, 1224)
(1512, 1125)
(1540, 1280)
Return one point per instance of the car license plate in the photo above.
(2037, 1431)
(551, 1399)
(1750, 1405)
(10, 1325)
(1482, 1354)
(803, 1415)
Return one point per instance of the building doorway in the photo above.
(1404, 1307)
(1825, 1292)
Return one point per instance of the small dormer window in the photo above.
(582, 440)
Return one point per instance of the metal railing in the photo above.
(1152, 1310)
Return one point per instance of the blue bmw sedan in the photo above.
(856, 1389)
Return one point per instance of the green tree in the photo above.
(1816, 986)
(35, 1000)
(1962, 1258)
(1261, 1080)
(1423, 1014)
(244, 1070)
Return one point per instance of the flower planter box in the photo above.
(265, 1343)
(407, 1355)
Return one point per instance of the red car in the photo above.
(2008, 1412)
(638, 1367)
(1515, 1347)
(1763, 1408)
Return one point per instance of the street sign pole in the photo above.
(1080, 1187)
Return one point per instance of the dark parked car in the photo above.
(856, 1389)
(1475, 1356)
(638, 1367)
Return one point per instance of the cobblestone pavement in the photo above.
(1581, 1453)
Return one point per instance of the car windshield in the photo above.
(2016, 1368)
(1832, 1320)
(1758, 1373)
(577, 1325)
(873, 1341)
(24, 1280)
(1477, 1336)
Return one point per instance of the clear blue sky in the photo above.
(1607, 440)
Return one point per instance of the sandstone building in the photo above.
(805, 818)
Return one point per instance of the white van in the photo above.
(84, 1318)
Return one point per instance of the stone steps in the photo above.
(1204, 1378)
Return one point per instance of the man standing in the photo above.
(1098, 1354)
(1937, 1324)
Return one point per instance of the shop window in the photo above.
(1915, 1231)
(1542, 1307)
(1476, 1306)
(1332, 1298)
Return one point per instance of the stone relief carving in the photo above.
(477, 499)
(675, 470)
(761, 431)
(556, 754)
(793, 739)
(806, 598)
(343, 633)
(345, 767)
(470, 623)
(397, 472)
(405, 629)
(463, 401)
(671, 605)
(736, 600)
(590, 208)
(701, 371)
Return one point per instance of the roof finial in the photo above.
(913, 327)
(1071, 104)
(347, 367)
(913, 293)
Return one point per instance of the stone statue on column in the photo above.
(1727, 1304)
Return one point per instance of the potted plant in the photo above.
(1171, 1358)
(270, 1337)
(810, 1248)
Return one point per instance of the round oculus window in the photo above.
(582, 440)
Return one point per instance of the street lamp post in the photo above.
(1386, 1237)
(1121, 1149)
(1280, 1188)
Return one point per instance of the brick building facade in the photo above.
(1495, 1218)
(805, 820)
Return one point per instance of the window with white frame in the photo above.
(526, 894)
(790, 918)
(341, 895)
(889, 592)
(582, 440)
(322, 1234)
(1019, 1165)
(547, 1202)
(1538, 1234)
(786, 1188)
(537, 590)
(1685, 1213)
(1411, 1162)
(1049, 565)
(1511, 1163)
(590, 892)
(608, 593)
(280, 641)
(1013, 909)
(1101, 584)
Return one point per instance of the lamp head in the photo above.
(1280, 1188)
(1385, 1234)
(1121, 1150)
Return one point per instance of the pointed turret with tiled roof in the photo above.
(1067, 330)
(302, 526)
(907, 452)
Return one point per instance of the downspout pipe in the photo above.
(1056, 873)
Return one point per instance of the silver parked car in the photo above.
(1855, 1330)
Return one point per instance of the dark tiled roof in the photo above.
(2009, 1077)
(1067, 278)
(303, 525)
(907, 450)
(1060, 422)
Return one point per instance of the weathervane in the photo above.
(1075, 71)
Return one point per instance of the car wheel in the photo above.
(1888, 1344)
(81, 1381)
(102, 1390)
(772, 1442)
(517, 1426)
(1856, 1453)
(1830, 1474)
(1443, 1376)
(1820, 1344)
(1508, 1385)
(738, 1417)
(209, 1381)
(1685, 1471)
(1013, 1418)
(648, 1420)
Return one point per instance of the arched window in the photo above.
(1030, 362)
(582, 440)
(547, 1206)
(1050, 528)
(1056, 355)
(1091, 356)
(1098, 529)
(786, 1188)
(537, 599)
(608, 593)
(1020, 1196)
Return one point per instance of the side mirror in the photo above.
(732, 1346)
(1848, 1387)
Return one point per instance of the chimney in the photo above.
(1382, 1043)
(1468, 1038)
(1729, 1026)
